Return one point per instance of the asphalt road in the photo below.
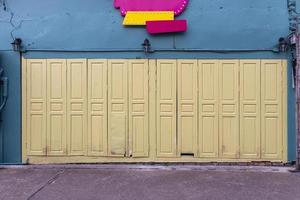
(122, 183)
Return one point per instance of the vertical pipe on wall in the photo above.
(298, 102)
(294, 23)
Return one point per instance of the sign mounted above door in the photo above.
(157, 15)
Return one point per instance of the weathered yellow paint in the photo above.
(229, 108)
(208, 108)
(36, 107)
(140, 17)
(77, 106)
(272, 108)
(56, 107)
(97, 107)
(187, 107)
(284, 111)
(138, 108)
(112, 159)
(152, 109)
(250, 131)
(117, 107)
(24, 107)
(99, 110)
(166, 108)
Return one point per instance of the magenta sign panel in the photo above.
(177, 6)
(156, 26)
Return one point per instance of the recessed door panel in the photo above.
(77, 109)
(138, 108)
(166, 108)
(271, 124)
(229, 108)
(208, 108)
(117, 107)
(250, 109)
(56, 107)
(187, 107)
(36, 107)
(97, 107)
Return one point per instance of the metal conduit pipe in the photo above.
(153, 51)
(294, 30)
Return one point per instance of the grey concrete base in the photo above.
(179, 167)
(140, 182)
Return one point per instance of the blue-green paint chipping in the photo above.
(95, 25)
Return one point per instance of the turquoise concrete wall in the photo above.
(95, 24)
(1, 146)
(76, 28)
(10, 118)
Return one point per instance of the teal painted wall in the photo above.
(58, 28)
(1, 146)
(10, 118)
(95, 24)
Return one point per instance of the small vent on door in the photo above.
(187, 154)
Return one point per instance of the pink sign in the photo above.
(168, 26)
(177, 6)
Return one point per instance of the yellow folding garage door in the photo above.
(208, 111)
(99, 110)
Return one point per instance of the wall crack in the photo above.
(15, 26)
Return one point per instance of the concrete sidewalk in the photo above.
(140, 182)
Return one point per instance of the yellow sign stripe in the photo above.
(140, 18)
